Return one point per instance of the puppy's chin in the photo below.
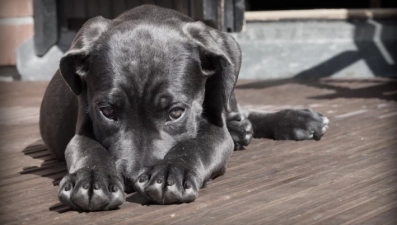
(129, 185)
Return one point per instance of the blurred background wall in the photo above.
(279, 39)
(16, 27)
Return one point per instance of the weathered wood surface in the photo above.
(349, 177)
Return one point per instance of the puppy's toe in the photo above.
(172, 194)
(99, 199)
(154, 190)
(80, 196)
(325, 124)
(322, 128)
(173, 188)
(190, 188)
(141, 182)
(66, 188)
(117, 196)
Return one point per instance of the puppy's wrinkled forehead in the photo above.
(146, 55)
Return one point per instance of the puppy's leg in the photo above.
(186, 168)
(289, 124)
(92, 183)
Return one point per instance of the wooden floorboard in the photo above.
(349, 177)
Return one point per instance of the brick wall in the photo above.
(16, 26)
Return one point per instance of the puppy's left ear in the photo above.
(220, 60)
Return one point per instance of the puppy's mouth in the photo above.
(129, 172)
(130, 178)
(129, 185)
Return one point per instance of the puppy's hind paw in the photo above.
(300, 124)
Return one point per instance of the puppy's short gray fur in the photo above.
(139, 67)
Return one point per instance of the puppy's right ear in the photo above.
(74, 64)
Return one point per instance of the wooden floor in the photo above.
(349, 177)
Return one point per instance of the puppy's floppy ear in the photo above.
(74, 64)
(220, 60)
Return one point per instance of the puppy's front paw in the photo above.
(167, 183)
(300, 124)
(91, 190)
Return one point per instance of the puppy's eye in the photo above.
(176, 112)
(107, 112)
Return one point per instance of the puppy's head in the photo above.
(143, 87)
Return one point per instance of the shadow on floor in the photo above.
(385, 89)
(50, 168)
(375, 46)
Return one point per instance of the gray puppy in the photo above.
(145, 103)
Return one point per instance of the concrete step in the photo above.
(315, 48)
